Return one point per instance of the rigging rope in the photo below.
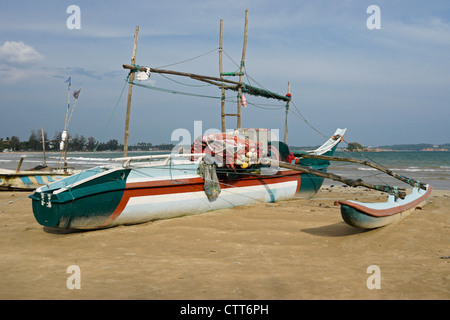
(185, 84)
(261, 88)
(191, 59)
(106, 127)
(174, 91)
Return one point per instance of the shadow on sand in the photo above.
(340, 229)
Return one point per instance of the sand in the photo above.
(296, 249)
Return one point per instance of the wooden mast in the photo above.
(224, 84)
(222, 101)
(241, 71)
(66, 139)
(287, 113)
(130, 90)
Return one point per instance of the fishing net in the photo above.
(238, 151)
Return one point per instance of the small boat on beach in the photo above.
(31, 179)
(27, 180)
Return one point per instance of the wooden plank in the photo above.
(43, 146)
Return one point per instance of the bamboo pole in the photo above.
(244, 49)
(68, 104)
(66, 141)
(287, 113)
(179, 73)
(43, 146)
(65, 153)
(130, 90)
(407, 180)
(222, 101)
(19, 165)
(214, 81)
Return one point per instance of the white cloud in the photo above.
(17, 52)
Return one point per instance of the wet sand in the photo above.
(297, 249)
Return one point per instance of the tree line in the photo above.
(75, 143)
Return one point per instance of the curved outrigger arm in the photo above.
(407, 180)
(398, 192)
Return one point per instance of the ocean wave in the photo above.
(84, 159)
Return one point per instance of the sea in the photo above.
(432, 167)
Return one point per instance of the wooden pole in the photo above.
(287, 113)
(65, 153)
(19, 165)
(68, 104)
(222, 101)
(184, 74)
(60, 164)
(244, 49)
(43, 146)
(214, 81)
(130, 90)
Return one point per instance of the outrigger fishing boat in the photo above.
(222, 170)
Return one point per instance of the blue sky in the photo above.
(387, 86)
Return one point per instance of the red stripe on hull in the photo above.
(162, 187)
(390, 211)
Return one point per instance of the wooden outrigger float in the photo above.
(375, 215)
(378, 214)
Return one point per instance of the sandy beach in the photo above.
(296, 249)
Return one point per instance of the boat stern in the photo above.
(80, 202)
